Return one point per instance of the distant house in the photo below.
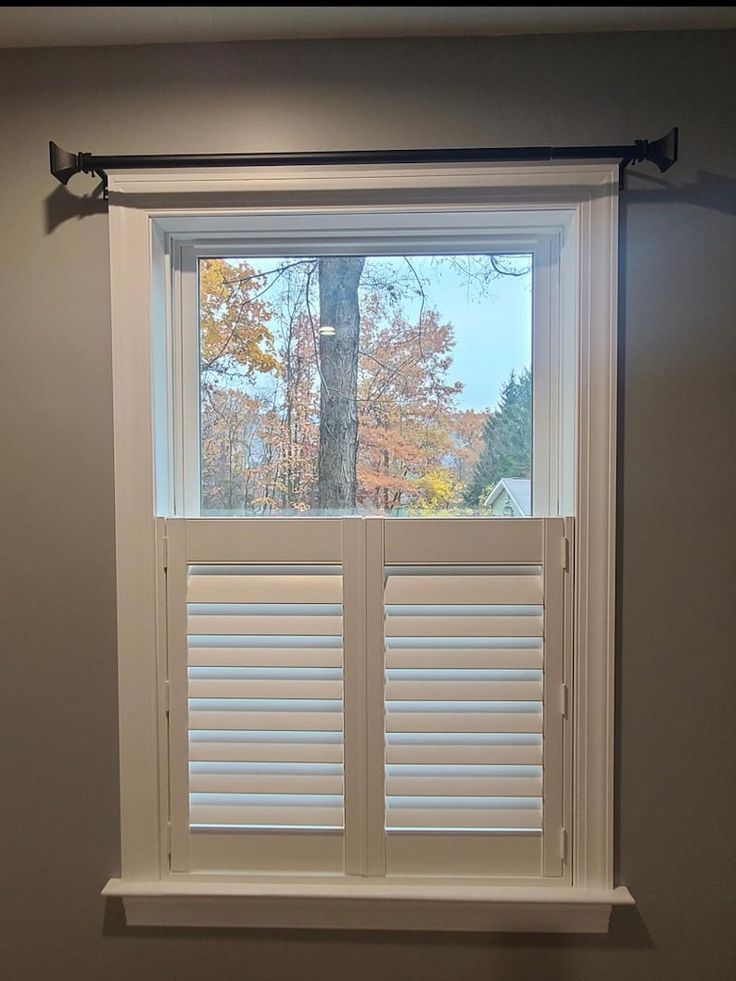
(510, 498)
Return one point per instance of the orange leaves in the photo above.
(406, 401)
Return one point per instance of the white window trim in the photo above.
(143, 206)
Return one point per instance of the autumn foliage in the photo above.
(418, 450)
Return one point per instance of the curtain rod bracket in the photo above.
(662, 153)
(102, 174)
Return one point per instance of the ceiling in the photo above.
(63, 26)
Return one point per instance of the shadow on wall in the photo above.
(63, 206)
(714, 191)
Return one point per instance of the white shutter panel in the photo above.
(466, 651)
(256, 645)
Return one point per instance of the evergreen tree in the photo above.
(507, 440)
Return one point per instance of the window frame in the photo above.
(146, 209)
(396, 232)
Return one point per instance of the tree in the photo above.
(339, 278)
(507, 439)
(320, 390)
(405, 404)
(300, 400)
(233, 321)
(466, 435)
(232, 460)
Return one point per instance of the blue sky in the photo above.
(493, 328)
(492, 325)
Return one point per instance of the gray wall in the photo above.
(676, 601)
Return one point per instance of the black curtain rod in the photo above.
(661, 152)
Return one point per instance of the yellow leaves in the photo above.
(234, 330)
(439, 490)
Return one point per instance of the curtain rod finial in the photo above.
(663, 152)
(63, 164)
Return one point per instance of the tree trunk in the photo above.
(339, 278)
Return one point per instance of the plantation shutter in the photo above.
(473, 652)
(259, 720)
(366, 695)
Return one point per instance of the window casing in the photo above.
(572, 236)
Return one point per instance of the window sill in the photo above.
(367, 905)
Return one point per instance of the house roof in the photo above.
(519, 490)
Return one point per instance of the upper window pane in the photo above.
(392, 385)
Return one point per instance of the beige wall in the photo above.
(676, 603)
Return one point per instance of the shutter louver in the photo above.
(464, 689)
(265, 687)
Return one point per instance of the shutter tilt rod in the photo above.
(661, 152)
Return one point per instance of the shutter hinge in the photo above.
(167, 698)
(565, 554)
(564, 701)
(563, 844)
(165, 553)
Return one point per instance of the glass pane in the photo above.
(392, 385)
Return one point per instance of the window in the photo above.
(423, 411)
(449, 344)
(341, 663)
